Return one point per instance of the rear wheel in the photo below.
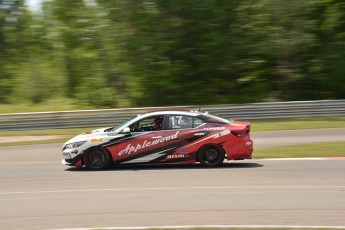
(211, 156)
(97, 159)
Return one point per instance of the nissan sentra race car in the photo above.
(162, 137)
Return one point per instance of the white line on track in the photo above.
(296, 159)
(303, 159)
(170, 188)
(210, 226)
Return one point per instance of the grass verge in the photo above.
(51, 141)
(321, 149)
(44, 132)
(297, 123)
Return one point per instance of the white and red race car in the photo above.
(162, 137)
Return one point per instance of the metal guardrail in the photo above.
(280, 109)
(111, 117)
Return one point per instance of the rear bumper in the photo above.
(250, 156)
(240, 150)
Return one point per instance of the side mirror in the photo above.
(125, 130)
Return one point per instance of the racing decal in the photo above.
(166, 148)
(249, 143)
(214, 136)
(177, 156)
(128, 137)
(133, 149)
(183, 150)
(223, 133)
(199, 134)
(96, 140)
(215, 128)
(150, 157)
(186, 158)
(163, 151)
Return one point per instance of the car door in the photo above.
(146, 143)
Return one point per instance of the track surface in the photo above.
(36, 192)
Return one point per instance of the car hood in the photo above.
(101, 134)
(101, 130)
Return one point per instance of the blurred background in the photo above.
(63, 54)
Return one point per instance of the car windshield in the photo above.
(125, 124)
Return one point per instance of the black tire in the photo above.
(97, 159)
(211, 156)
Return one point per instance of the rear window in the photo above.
(214, 119)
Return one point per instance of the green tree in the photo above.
(330, 54)
(13, 21)
(92, 62)
(164, 52)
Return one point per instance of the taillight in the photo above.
(241, 133)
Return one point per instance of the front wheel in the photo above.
(97, 159)
(211, 156)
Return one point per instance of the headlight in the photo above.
(73, 145)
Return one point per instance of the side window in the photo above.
(148, 124)
(197, 122)
(180, 122)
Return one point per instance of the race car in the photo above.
(170, 137)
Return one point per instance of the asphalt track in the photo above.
(37, 192)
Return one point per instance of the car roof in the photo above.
(172, 112)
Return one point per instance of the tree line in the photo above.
(122, 53)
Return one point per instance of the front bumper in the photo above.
(72, 161)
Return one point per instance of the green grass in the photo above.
(44, 132)
(321, 149)
(297, 123)
(51, 141)
(69, 132)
